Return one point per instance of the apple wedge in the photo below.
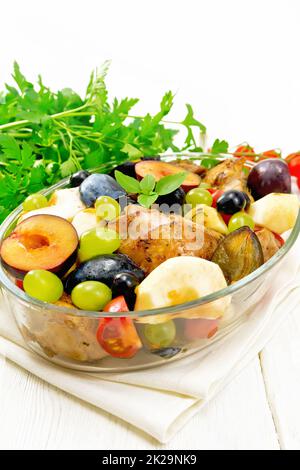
(276, 211)
(179, 280)
(65, 203)
(85, 220)
(209, 216)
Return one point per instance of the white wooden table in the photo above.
(260, 409)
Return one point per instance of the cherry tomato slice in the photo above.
(216, 194)
(118, 336)
(225, 217)
(274, 153)
(245, 151)
(200, 328)
(19, 283)
(116, 305)
(278, 238)
(291, 156)
(294, 166)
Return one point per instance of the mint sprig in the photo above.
(148, 189)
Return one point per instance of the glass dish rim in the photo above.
(7, 283)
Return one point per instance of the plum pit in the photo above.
(34, 241)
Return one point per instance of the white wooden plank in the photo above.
(280, 361)
(34, 415)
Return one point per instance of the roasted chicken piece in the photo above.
(269, 243)
(64, 335)
(227, 175)
(150, 237)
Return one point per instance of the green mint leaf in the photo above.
(147, 184)
(132, 152)
(147, 200)
(219, 146)
(131, 185)
(169, 183)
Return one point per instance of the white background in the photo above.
(238, 63)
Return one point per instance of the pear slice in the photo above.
(276, 211)
(63, 203)
(209, 216)
(179, 280)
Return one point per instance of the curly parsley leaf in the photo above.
(219, 146)
(46, 135)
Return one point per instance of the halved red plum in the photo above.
(40, 242)
(160, 169)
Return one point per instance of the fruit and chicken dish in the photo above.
(153, 233)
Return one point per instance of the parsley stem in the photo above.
(163, 120)
(67, 113)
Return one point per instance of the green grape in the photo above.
(107, 208)
(98, 241)
(199, 196)
(160, 335)
(240, 219)
(91, 295)
(43, 285)
(35, 201)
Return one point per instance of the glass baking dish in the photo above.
(67, 336)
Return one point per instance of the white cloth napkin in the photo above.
(161, 400)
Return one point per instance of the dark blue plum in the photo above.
(175, 197)
(77, 178)
(128, 168)
(125, 284)
(103, 268)
(154, 157)
(98, 185)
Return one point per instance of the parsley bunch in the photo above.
(46, 135)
